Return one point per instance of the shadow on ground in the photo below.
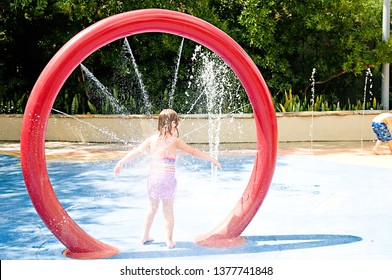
(255, 244)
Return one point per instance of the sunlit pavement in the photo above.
(327, 201)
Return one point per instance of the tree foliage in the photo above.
(286, 39)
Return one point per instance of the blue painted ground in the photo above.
(316, 209)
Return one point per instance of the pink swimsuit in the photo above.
(162, 182)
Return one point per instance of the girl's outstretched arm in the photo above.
(141, 149)
(197, 153)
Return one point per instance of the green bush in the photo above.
(293, 103)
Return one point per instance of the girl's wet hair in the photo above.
(165, 121)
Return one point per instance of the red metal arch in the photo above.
(78, 243)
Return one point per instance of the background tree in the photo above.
(35, 30)
(286, 39)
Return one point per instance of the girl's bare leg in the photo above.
(375, 149)
(153, 208)
(390, 145)
(168, 214)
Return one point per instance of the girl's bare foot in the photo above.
(375, 152)
(170, 244)
(146, 241)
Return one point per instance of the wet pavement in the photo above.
(328, 208)
(327, 201)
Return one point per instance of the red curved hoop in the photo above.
(78, 243)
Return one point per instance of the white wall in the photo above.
(320, 126)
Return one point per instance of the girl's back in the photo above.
(381, 118)
(163, 147)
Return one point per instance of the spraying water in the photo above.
(368, 83)
(173, 87)
(211, 72)
(212, 81)
(213, 85)
(313, 82)
(101, 130)
(145, 94)
(101, 89)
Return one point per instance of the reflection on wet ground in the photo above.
(323, 203)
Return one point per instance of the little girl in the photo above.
(380, 127)
(161, 185)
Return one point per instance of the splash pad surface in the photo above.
(323, 205)
(81, 245)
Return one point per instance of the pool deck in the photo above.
(356, 153)
(327, 201)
